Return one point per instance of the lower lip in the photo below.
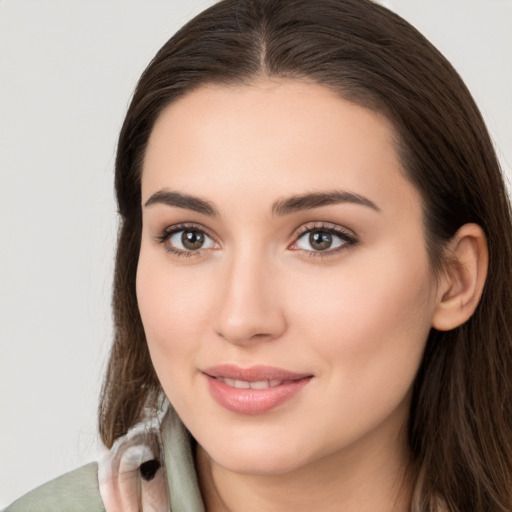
(254, 401)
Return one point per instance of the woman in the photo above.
(313, 268)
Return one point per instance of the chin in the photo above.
(256, 455)
(257, 462)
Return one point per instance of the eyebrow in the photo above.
(182, 201)
(279, 208)
(319, 199)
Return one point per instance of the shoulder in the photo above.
(76, 491)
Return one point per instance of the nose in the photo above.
(249, 307)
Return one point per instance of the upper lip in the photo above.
(253, 373)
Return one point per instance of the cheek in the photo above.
(371, 321)
(169, 304)
(367, 329)
(168, 310)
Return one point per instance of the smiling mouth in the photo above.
(254, 390)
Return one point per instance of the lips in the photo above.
(253, 390)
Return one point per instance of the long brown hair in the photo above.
(460, 430)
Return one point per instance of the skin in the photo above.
(356, 317)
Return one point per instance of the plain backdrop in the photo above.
(67, 71)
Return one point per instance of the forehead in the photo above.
(271, 138)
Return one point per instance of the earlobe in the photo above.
(463, 278)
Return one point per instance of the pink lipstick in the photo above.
(253, 390)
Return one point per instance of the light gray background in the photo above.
(67, 71)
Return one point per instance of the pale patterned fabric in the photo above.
(132, 475)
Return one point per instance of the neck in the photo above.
(364, 478)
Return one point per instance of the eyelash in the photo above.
(347, 238)
(168, 232)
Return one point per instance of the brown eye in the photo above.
(320, 240)
(188, 240)
(192, 240)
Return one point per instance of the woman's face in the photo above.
(283, 279)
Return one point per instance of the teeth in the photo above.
(259, 384)
(243, 384)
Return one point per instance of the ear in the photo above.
(462, 279)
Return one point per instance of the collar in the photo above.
(151, 468)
